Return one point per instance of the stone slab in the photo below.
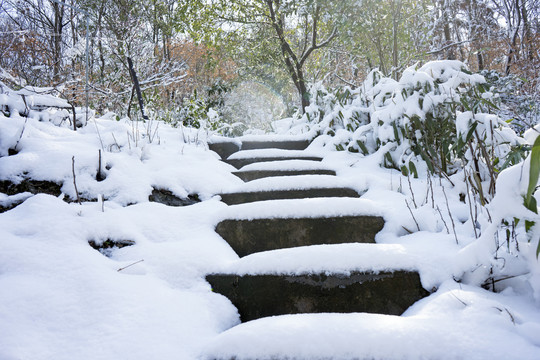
(166, 197)
(32, 186)
(224, 149)
(259, 174)
(239, 163)
(252, 236)
(285, 145)
(246, 197)
(257, 296)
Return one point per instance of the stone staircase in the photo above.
(296, 217)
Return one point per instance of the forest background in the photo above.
(238, 64)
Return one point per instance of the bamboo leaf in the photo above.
(404, 171)
(396, 133)
(412, 167)
(363, 147)
(534, 171)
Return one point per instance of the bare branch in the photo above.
(321, 45)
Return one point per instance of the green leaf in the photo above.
(412, 167)
(389, 161)
(396, 133)
(534, 171)
(531, 205)
(427, 160)
(404, 171)
(363, 147)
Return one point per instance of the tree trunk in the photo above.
(294, 63)
(480, 59)
(526, 37)
(302, 90)
(450, 54)
(396, 15)
(57, 40)
(512, 47)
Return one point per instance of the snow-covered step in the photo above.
(246, 157)
(278, 144)
(285, 163)
(225, 149)
(295, 183)
(262, 295)
(255, 235)
(252, 196)
(241, 162)
(276, 224)
(283, 168)
(260, 174)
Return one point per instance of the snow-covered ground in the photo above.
(61, 299)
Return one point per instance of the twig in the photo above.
(26, 108)
(449, 46)
(461, 301)
(125, 267)
(20, 136)
(74, 179)
(432, 194)
(442, 218)
(450, 214)
(407, 230)
(155, 132)
(99, 176)
(511, 316)
(473, 219)
(352, 85)
(410, 210)
(116, 143)
(412, 192)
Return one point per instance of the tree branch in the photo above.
(288, 55)
(321, 45)
(449, 45)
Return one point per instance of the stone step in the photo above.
(285, 145)
(239, 163)
(225, 149)
(258, 296)
(259, 174)
(167, 197)
(256, 235)
(246, 197)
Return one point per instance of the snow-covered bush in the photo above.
(44, 104)
(439, 119)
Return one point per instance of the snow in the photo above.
(268, 153)
(303, 208)
(288, 165)
(62, 299)
(412, 255)
(265, 138)
(294, 183)
(450, 324)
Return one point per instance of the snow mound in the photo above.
(448, 325)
